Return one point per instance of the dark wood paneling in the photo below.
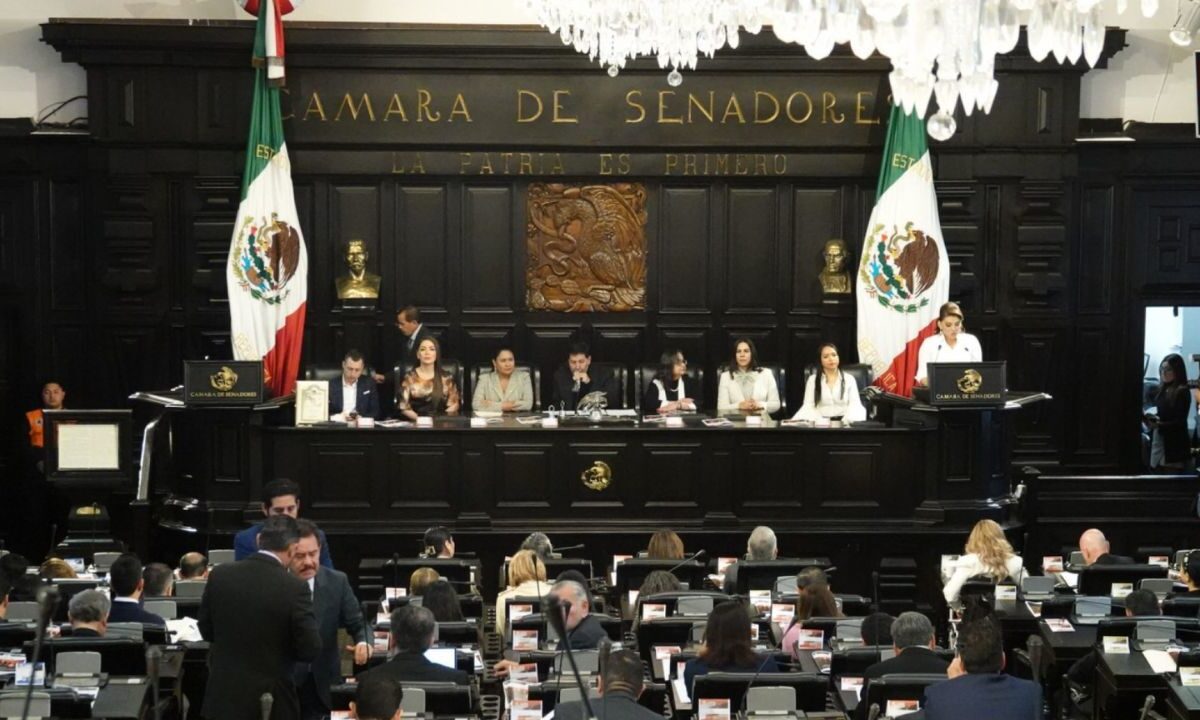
(751, 250)
(342, 473)
(524, 475)
(1094, 278)
(817, 216)
(682, 264)
(422, 476)
(420, 264)
(1169, 223)
(487, 237)
(768, 477)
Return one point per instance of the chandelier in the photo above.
(944, 50)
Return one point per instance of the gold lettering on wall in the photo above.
(829, 111)
(631, 99)
(662, 109)
(808, 111)
(460, 108)
(402, 164)
(860, 109)
(395, 107)
(622, 165)
(522, 115)
(758, 97)
(706, 111)
(315, 107)
(559, 115)
(508, 163)
(733, 107)
(423, 100)
(348, 104)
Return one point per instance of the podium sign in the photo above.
(975, 384)
(222, 382)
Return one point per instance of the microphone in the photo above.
(873, 713)
(875, 620)
(577, 385)
(396, 569)
(1146, 706)
(153, 659)
(558, 618)
(695, 556)
(47, 599)
(559, 550)
(265, 701)
(746, 695)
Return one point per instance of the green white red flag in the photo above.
(904, 273)
(267, 274)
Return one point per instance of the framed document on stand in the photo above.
(312, 402)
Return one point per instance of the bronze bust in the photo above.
(835, 280)
(358, 283)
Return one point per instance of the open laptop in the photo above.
(1091, 609)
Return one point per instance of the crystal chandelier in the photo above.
(943, 50)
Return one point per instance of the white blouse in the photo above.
(837, 401)
(730, 393)
(968, 566)
(935, 349)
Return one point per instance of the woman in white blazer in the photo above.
(744, 386)
(988, 553)
(831, 393)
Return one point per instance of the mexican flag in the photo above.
(267, 273)
(904, 274)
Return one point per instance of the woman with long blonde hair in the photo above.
(987, 553)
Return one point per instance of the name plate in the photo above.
(971, 383)
(222, 382)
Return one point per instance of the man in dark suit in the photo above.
(125, 581)
(280, 497)
(578, 378)
(336, 607)
(584, 631)
(413, 632)
(353, 392)
(376, 698)
(913, 643)
(619, 687)
(88, 613)
(978, 688)
(260, 623)
(1095, 549)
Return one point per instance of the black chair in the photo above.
(451, 366)
(854, 661)
(118, 656)
(644, 374)
(621, 374)
(323, 371)
(15, 634)
(835, 627)
(632, 573)
(780, 373)
(1184, 607)
(441, 698)
(535, 378)
(458, 633)
(761, 574)
(1186, 629)
(899, 686)
(461, 572)
(810, 688)
(671, 600)
(67, 589)
(1098, 579)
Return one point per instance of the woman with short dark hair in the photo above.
(671, 390)
(441, 600)
(727, 646)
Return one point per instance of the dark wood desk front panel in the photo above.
(512, 473)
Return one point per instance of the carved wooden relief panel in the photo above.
(586, 247)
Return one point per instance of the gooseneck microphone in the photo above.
(266, 701)
(558, 618)
(695, 556)
(48, 598)
(560, 550)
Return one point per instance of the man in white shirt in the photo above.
(353, 395)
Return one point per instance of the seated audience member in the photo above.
(877, 629)
(576, 576)
(830, 393)
(428, 389)
(578, 378)
(353, 395)
(420, 579)
(526, 578)
(160, 580)
(22, 587)
(1095, 549)
(280, 497)
(727, 646)
(127, 586)
(619, 687)
(57, 569)
(438, 542)
(88, 612)
(442, 601)
(584, 631)
(4, 590)
(977, 680)
(744, 386)
(540, 544)
(813, 599)
(506, 388)
(658, 581)
(1139, 603)
(760, 546)
(1190, 575)
(671, 390)
(376, 698)
(987, 553)
(913, 641)
(193, 566)
(664, 545)
(413, 632)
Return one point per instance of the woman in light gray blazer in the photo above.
(504, 388)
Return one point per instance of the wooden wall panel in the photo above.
(682, 263)
(421, 239)
(1093, 280)
(817, 216)
(486, 259)
(751, 251)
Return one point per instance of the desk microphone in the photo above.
(396, 570)
(559, 550)
(577, 386)
(265, 702)
(873, 713)
(47, 600)
(757, 672)
(695, 556)
(1146, 706)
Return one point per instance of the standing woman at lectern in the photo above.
(428, 389)
(831, 393)
(950, 344)
(746, 387)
